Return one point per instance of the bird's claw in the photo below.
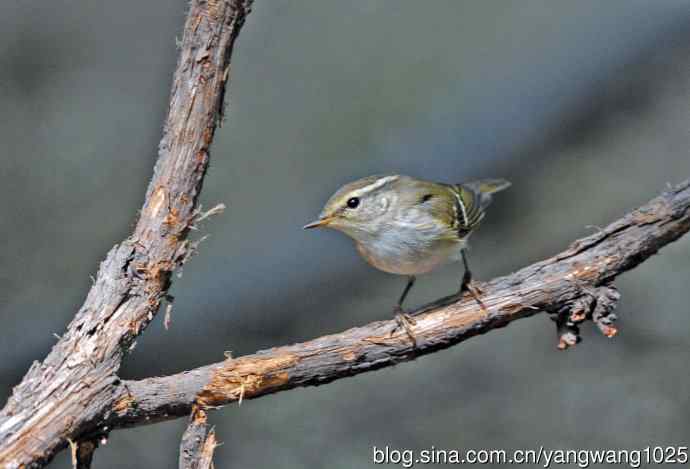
(475, 292)
(405, 321)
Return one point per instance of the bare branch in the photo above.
(77, 381)
(198, 443)
(575, 284)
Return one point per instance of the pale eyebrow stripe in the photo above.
(375, 185)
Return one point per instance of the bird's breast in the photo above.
(404, 253)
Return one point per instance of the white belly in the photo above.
(406, 255)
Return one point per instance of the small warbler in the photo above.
(407, 226)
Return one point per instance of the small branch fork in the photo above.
(596, 304)
(574, 286)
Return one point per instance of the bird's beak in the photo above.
(318, 223)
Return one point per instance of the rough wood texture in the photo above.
(77, 382)
(574, 285)
(198, 443)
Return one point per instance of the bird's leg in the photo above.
(466, 285)
(404, 319)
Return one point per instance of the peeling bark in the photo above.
(76, 385)
(576, 285)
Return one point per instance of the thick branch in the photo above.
(576, 282)
(77, 382)
(198, 443)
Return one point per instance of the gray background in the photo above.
(583, 105)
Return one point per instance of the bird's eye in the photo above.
(353, 202)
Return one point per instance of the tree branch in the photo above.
(82, 453)
(76, 384)
(574, 285)
(198, 443)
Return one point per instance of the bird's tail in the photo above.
(488, 186)
(484, 188)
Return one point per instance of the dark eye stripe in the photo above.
(427, 198)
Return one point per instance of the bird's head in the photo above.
(359, 208)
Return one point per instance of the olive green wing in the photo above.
(472, 199)
(439, 201)
(459, 207)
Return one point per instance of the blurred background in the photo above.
(583, 105)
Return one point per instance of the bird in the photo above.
(408, 226)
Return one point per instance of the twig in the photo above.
(82, 452)
(198, 443)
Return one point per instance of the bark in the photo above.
(75, 386)
(574, 286)
(82, 453)
(198, 443)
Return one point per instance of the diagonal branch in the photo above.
(575, 285)
(77, 382)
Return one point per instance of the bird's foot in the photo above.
(405, 321)
(475, 292)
